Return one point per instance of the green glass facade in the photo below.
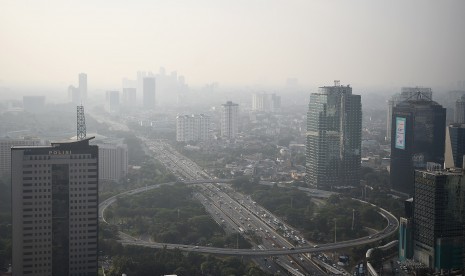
(439, 219)
(334, 127)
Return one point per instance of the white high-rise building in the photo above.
(229, 120)
(55, 209)
(265, 102)
(113, 160)
(5, 151)
(112, 102)
(192, 128)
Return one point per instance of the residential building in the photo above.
(229, 120)
(417, 137)
(192, 128)
(334, 130)
(112, 103)
(113, 160)
(148, 95)
(55, 209)
(129, 97)
(265, 102)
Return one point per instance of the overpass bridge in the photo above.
(391, 228)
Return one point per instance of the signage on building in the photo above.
(400, 133)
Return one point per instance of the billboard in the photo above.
(400, 133)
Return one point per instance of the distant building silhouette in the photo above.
(459, 112)
(417, 137)
(334, 130)
(112, 102)
(229, 120)
(148, 92)
(265, 102)
(34, 103)
(5, 150)
(129, 97)
(83, 86)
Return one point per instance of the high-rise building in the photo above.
(417, 137)
(407, 93)
(455, 146)
(83, 86)
(334, 130)
(459, 112)
(229, 120)
(113, 160)
(129, 97)
(439, 218)
(112, 103)
(55, 209)
(74, 95)
(149, 93)
(5, 151)
(265, 102)
(192, 128)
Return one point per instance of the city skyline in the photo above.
(395, 44)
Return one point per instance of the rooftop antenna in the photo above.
(81, 123)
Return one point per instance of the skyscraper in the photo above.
(149, 93)
(334, 130)
(112, 103)
(459, 112)
(83, 86)
(129, 97)
(439, 218)
(229, 120)
(55, 209)
(417, 137)
(406, 94)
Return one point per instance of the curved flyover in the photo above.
(392, 225)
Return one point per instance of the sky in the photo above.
(240, 42)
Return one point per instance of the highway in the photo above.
(239, 214)
(391, 228)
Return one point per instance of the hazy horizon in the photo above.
(235, 43)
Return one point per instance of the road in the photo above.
(239, 215)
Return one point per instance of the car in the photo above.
(196, 247)
(315, 246)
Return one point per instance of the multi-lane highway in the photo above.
(256, 220)
(239, 214)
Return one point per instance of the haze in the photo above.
(367, 43)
